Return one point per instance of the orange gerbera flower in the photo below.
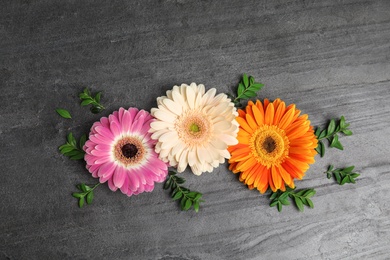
(276, 145)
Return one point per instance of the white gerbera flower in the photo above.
(194, 128)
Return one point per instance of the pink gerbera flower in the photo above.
(120, 151)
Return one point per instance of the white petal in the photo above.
(173, 106)
(218, 144)
(168, 136)
(165, 116)
(190, 97)
(159, 125)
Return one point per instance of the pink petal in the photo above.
(104, 132)
(103, 159)
(125, 186)
(103, 147)
(119, 176)
(126, 122)
(134, 182)
(115, 127)
(137, 125)
(104, 121)
(111, 185)
(106, 169)
(99, 153)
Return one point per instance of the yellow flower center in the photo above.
(129, 151)
(269, 145)
(194, 128)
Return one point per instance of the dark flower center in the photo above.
(269, 144)
(129, 150)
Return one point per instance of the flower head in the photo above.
(276, 145)
(120, 151)
(194, 127)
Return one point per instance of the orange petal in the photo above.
(244, 125)
(269, 114)
(285, 176)
(251, 122)
(258, 115)
(248, 107)
(280, 110)
(276, 178)
(287, 118)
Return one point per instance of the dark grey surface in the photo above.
(331, 58)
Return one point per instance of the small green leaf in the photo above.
(64, 113)
(347, 132)
(77, 195)
(310, 203)
(72, 140)
(177, 195)
(81, 202)
(196, 206)
(83, 187)
(167, 184)
(348, 169)
(83, 139)
(245, 80)
(89, 197)
(322, 146)
(188, 204)
(299, 203)
(279, 206)
(273, 203)
(97, 97)
(355, 175)
(240, 89)
(78, 156)
(86, 102)
(345, 180)
(323, 134)
(331, 126)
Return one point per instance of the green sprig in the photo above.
(86, 194)
(300, 198)
(187, 198)
(342, 175)
(73, 150)
(331, 134)
(88, 99)
(247, 88)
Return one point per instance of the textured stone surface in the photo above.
(331, 58)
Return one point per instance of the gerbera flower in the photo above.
(276, 145)
(120, 151)
(194, 128)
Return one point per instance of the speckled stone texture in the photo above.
(331, 58)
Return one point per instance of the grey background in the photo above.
(331, 58)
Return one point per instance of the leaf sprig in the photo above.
(300, 198)
(187, 198)
(88, 99)
(247, 88)
(342, 175)
(86, 194)
(331, 134)
(73, 150)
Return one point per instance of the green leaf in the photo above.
(188, 204)
(167, 184)
(240, 89)
(83, 139)
(97, 97)
(347, 132)
(81, 202)
(342, 122)
(310, 203)
(83, 187)
(279, 206)
(345, 180)
(322, 147)
(323, 134)
(86, 102)
(77, 195)
(299, 203)
(355, 175)
(77, 156)
(72, 140)
(348, 169)
(177, 195)
(273, 203)
(64, 113)
(245, 80)
(89, 197)
(196, 206)
(331, 126)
